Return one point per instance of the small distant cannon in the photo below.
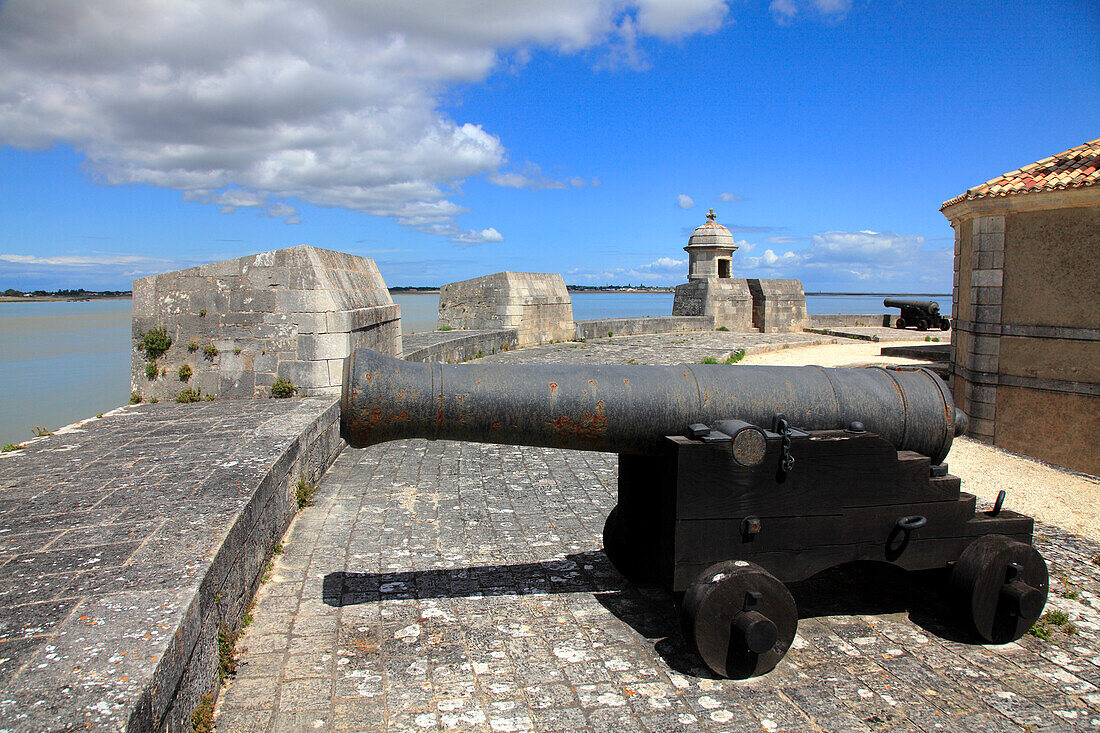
(924, 314)
(734, 480)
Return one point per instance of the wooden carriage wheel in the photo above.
(740, 618)
(1000, 587)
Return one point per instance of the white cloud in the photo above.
(835, 258)
(785, 11)
(662, 271)
(684, 201)
(477, 237)
(84, 260)
(533, 177)
(331, 103)
(726, 197)
(281, 210)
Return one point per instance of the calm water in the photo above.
(63, 362)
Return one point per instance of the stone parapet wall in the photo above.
(845, 319)
(778, 305)
(726, 300)
(240, 324)
(454, 347)
(537, 305)
(603, 327)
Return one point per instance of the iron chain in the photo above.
(786, 460)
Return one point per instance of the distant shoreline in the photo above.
(60, 298)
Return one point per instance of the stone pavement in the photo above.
(125, 544)
(457, 586)
(882, 333)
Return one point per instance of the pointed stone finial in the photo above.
(711, 216)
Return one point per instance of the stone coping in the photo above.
(880, 333)
(458, 345)
(128, 543)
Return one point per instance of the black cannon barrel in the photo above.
(928, 305)
(628, 409)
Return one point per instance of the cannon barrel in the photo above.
(628, 409)
(928, 305)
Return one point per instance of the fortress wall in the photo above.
(292, 313)
(536, 304)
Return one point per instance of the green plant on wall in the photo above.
(189, 395)
(210, 351)
(193, 346)
(135, 398)
(185, 372)
(155, 342)
(283, 388)
(151, 370)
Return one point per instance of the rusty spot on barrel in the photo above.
(553, 386)
(589, 430)
(495, 425)
(626, 381)
(592, 382)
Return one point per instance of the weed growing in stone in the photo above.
(478, 355)
(9, 447)
(192, 346)
(202, 313)
(236, 351)
(227, 655)
(40, 432)
(444, 328)
(202, 718)
(185, 373)
(721, 328)
(610, 334)
(209, 398)
(283, 388)
(735, 357)
(305, 492)
(155, 342)
(1071, 593)
(210, 351)
(135, 398)
(151, 370)
(153, 400)
(189, 395)
(278, 549)
(709, 360)
(1049, 622)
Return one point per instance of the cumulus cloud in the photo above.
(727, 197)
(884, 260)
(330, 103)
(684, 201)
(475, 236)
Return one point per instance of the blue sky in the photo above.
(452, 139)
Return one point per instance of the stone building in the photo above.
(739, 304)
(236, 326)
(1026, 361)
(711, 290)
(536, 304)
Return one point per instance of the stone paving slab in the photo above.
(458, 586)
(122, 538)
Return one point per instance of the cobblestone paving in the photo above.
(457, 586)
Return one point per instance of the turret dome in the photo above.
(712, 234)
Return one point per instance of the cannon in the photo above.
(924, 314)
(737, 480)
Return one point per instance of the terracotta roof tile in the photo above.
(1073, 168)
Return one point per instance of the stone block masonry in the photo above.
(778, 305)
(241, 324)
(129, 543)
(536, 304)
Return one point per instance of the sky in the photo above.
(448, 139)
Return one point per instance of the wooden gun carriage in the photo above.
(924, 314)
(734, 480)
